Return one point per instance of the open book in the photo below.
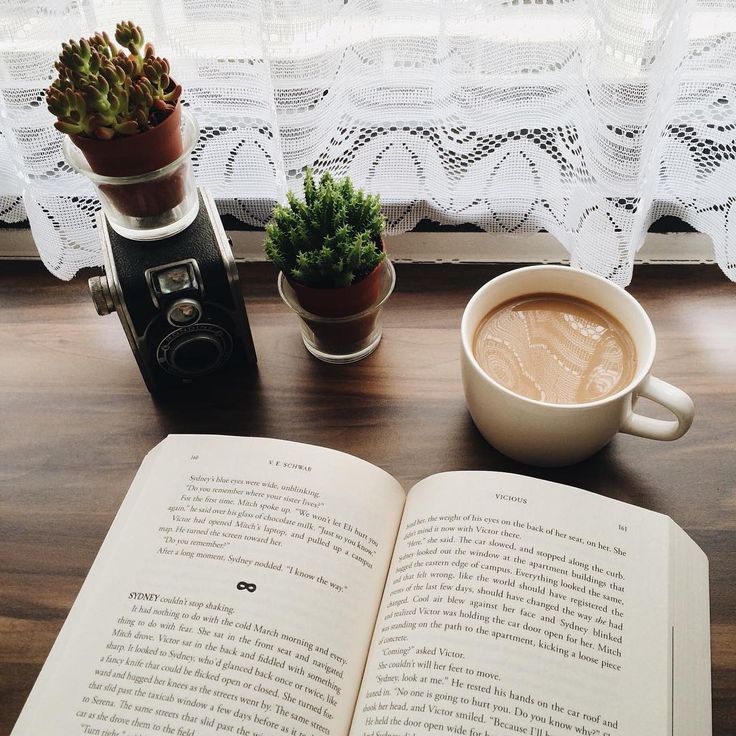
(252, 586)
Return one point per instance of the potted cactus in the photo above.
(330, 252)
(120, 108)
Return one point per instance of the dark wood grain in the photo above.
(76, 421)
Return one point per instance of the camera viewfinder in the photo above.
(184, 312)
(176, 278)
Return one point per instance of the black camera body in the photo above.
(179, 301)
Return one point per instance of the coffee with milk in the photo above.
(555, 348)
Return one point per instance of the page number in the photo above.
(623, 528)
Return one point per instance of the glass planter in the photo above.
(342, 339)
(147, 206)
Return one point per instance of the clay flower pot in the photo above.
(140, 154)
(342, 301)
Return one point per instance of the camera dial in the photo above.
(101, 295)
(194, 350)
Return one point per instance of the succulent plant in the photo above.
(102, 91)
(330, 239)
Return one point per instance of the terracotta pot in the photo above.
(342, 301)
(140, 154)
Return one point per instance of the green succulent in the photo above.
(102, 91)
(332, 238)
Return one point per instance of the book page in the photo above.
(235, 593)
(519, 606)
(690, 645)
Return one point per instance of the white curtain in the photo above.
(586, 118)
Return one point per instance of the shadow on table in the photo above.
(607, 473)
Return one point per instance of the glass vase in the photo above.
(150, 205)
(342, 339)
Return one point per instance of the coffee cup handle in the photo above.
(671, 398)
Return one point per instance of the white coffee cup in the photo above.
(547, 434)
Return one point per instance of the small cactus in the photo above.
(331, 238)
(103, 92)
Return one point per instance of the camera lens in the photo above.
(196, 354)
(194, 350)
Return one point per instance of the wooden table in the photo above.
(76, 421)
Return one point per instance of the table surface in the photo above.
(76, 421)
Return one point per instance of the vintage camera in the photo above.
(178, 300)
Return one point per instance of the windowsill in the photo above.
(16, 243)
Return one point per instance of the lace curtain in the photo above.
(586, 118)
